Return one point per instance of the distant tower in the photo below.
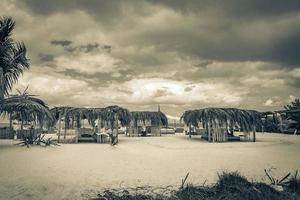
(158, 108)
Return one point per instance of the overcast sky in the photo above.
(179, 54)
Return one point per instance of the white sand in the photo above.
(68, 171)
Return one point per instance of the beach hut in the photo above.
(145, 122)
(113, 118)
(220, 123)
(26, 108)
(59, 115)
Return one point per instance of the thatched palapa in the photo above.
(218, 121)
(144, 122)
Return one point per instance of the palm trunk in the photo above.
(22, 122)
(59, 126)
(159, 130)
(11, 127)
(209, 129)
(280, 125)
(274, 118)
(117, 123)
(254, 133)
(65, 130)
(98, 123)
(206, 128)
(1, 84)
(10, 121)
(72, 124)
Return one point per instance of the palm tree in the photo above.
(112, 115)
(293, 113)
(13, 59)
(27, 107)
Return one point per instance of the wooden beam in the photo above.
(59, 126)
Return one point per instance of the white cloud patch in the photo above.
(269, 102)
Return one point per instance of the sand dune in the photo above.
(71, 171)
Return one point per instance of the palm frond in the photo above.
(156, 118)
(13, 61)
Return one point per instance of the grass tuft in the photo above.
(230, 186)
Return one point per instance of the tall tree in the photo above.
(13, 59)
(293, 113)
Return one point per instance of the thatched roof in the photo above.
(111, 114)
(157, 118)
(223, 116)
(27, 107)
(60, 110)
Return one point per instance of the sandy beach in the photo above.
(74, 171)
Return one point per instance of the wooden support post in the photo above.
(117, 124)
(59, 126)
(254, 133)
(274, 118)
(65, 130)
(213, 132)
(209, 131)
(1, 84)
(99, 125)
(10, 121)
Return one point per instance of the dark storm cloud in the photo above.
(233, 43)
(68, 46)
(221, 30)
(88, 47)
(203, 64)
(287, 50)
(294, 82)
(231, 53)
(96, 79)
(234, 8)
(107, 12)
(108, 48)
(46, 57)
(61, 42)
(188, 89)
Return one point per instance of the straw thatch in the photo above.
(114, 114)
(215, 118)
(156, 118)
(26, 107)
(152, 120)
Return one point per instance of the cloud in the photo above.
(70, 47)
(89, 63)
(179, 54)
(275, 101)
(61, 42)
(269, 102)
(46, 57)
